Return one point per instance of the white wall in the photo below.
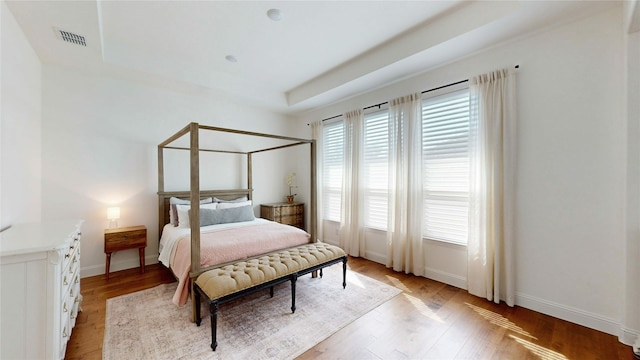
(631, 320)
(20, 157)
(99, 145)
(632, 306)
(570, 238)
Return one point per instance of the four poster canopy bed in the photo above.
(229, 232)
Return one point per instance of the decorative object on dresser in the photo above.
(291, 178)
(284, 213)
(39, 288)
(132, 237)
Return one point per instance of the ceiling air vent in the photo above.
(70, 37)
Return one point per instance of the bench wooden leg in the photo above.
(294, 278)
(344, 273)
(196, 295)
(213, 310)
(271, 291)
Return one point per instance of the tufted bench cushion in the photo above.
(232, 281)
(246, 274)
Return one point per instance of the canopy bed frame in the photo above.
(195, 193)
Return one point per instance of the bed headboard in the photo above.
(163, 201)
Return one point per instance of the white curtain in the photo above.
(492, 145)
(351, 233)
(404, 231)
(317, 134)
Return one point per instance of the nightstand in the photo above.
(284, 213)
(125, 238)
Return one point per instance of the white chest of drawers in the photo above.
(39, 288)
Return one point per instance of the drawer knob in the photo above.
(65, 280)
(64, 307)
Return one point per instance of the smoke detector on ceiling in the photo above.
(70, 37)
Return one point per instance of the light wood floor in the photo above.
(429, 320)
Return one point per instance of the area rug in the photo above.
(147, 325)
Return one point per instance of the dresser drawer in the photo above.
(284, 213)
(64, 336)
(71, 252)
(71, 276)
(125, 240)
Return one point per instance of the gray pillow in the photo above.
(225, 216)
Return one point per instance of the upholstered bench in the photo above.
(230, 282)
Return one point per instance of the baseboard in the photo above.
(445, 277)
(433, 274)
(571, 314)
(628, 336)
(116, 266)
(377, 257)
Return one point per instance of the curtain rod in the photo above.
(426, 91)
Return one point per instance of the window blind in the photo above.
(376, 168)
(332, 156)
(445, 145)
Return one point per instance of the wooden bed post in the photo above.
(194, 216)
(249, 176)
(161, 208)
(313, 220)
(194, 213)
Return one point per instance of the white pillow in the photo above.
(173, 201)
(233, 204)
(183, 213)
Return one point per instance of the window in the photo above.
(445, 145)
(332, 155)
(376, 168)
(445, 150)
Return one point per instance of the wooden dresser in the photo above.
(39, 288)
(284, 213)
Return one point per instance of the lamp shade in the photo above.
(113, 213)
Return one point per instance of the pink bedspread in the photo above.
(224, 245)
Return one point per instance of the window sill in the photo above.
(447, 243)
